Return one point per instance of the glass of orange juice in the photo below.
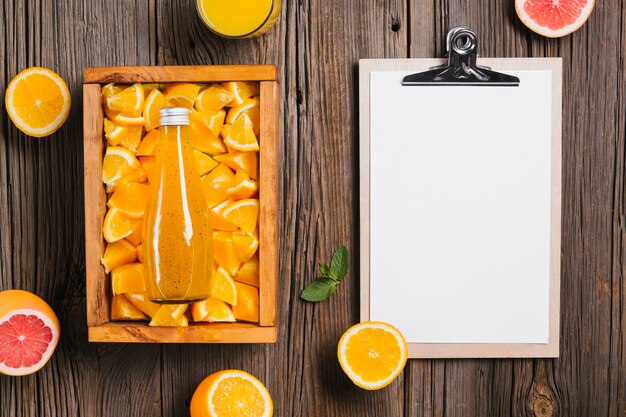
(239, 18)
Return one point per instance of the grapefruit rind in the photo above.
(45, 356)
(550, 33)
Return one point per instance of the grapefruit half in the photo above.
(553, 18)
(29, 332)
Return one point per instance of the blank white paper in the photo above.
(460, 209)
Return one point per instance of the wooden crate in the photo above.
(101, 328)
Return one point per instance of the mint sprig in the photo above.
(332, 275)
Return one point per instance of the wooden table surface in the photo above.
(316, 46)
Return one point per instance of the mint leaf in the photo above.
(325, 270)
(319, 290)
(340, 263)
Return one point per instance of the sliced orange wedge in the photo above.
(148, 144)
(241, 90)
(212, 310)
(131, 199)
(181, 95)
(154, 103)
(122, 309)
(118, 161)
(129, 278)
(243, 213)
(242, 187)
(241, 135)
(118, 253)
(246, 161)
(214, 97)
(128, 101)
(222, 286)
(248, 272)
(116, 225)
(247, 307)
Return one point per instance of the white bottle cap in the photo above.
(174, 116)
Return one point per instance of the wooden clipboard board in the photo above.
(473, 349)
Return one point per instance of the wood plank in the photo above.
(119, 332)
(183, 73)
(97, 290)
(268, 216)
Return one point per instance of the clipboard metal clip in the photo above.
(461, 69)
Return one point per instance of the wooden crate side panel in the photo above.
(190, 73)
(132, 332)
(268, 193)
(95, 202)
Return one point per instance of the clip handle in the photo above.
(462, 67)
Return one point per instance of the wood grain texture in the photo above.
(315, 46)
(183, 73)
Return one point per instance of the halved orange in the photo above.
(122, 309)
(243, 213)
(128, 101)
(118, 253)
(116, 225)
(372, 354)
(37, 101)
(214, 97)
(241, 90)
(129, 278)
(118, 161)
(231, 393)
(131, 199)
(212, 310)
(222, 286)
(247, 307)
(181, 95)
(154, 103)
(241, 135)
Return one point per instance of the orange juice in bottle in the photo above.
(239, 18)
(177, 235)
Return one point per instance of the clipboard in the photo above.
(460, 201)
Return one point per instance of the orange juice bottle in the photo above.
(239, 18)
(177, 235)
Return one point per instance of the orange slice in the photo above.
(118, 161)
(212, 310)
(242, 187)
(224, 130)
(213, 120)
(218, 222)
(143, 303)
(131, 199)
(122, 309)
(128, 121)
(128, 101)
(140, 253)
(148, 144)
(250, 107)
(154, 103)
(135, 237)
(246, 161)
(241, 135)
(132, 138)
(224, 251)
(110, 90)
(118, 253)
(170, 315)
(201, 136)
(129, 278)
(148, 165)
(216, 183)
(137, 175)
(37, 101)
(113, 133)
(222, 286)
(241, 90)
(243, 213)
(372, 354)
(248, 272)
(213, 97)
(148, 88)
(181, 95)
(231, 393)
(116, 225)
(245, 245)
(204, 163)
(247, 307)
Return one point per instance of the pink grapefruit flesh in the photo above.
(553, 18)
(29, 332)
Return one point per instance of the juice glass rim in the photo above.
(214, 30)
